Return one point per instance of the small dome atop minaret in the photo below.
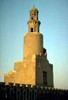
(33, 9)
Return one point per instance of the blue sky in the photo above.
(53, 15)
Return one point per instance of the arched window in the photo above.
(31, 29)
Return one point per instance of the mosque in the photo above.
(35, 68)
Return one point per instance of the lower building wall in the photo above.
(30, 71)
(24, 73)
(28, 92)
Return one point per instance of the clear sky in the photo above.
(53, 15)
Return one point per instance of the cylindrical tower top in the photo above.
(33, 23)
(34, 13)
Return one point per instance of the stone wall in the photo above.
(24, 73)
(42, 65)
(27, 92)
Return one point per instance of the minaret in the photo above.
(35, 68)
(33, 23)
(33, 40)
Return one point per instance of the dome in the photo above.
(33, 9)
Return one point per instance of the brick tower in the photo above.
(35, 69)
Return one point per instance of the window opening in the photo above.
(44, 77)
(32, 18)
(31, 29)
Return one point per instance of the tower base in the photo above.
(35, 71)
